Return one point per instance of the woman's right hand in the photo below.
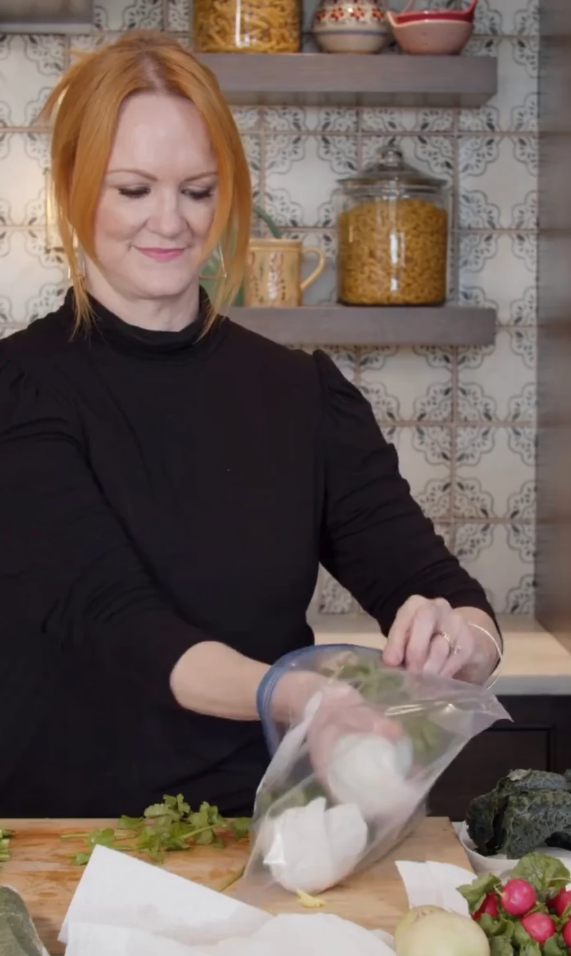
(342, 712)
(339, 710)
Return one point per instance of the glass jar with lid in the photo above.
(246, 26)
(392, 228)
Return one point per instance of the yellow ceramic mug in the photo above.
(273, 277)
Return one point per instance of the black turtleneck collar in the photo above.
(150, 344)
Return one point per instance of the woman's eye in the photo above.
(199, 194)
(137, 192)
(133, 192)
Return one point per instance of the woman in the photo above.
(169, 482)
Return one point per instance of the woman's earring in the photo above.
(77, 268)
(215, 262)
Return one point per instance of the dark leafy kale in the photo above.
(525, 810)
(561, 839)
(480, 822)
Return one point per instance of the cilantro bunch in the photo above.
(164, 827)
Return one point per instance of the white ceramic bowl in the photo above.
(431, 37)
(500, 865)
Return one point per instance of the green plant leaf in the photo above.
(475, 893)
(520, 936)
(530, 948)
(555, 946)
(165, 827)
(543, 872)
(130, 823)
(205, 838)
(80, 859)
(497, 926)
(240, 827)
(500, 946)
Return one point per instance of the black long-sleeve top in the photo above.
(159, 489)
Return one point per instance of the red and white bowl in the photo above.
(408, 15)
(430, 35)
(350, 26)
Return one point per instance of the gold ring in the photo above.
(451, 643)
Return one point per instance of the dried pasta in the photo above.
(393, 252)
(247, 26)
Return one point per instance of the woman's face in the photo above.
(157, 204)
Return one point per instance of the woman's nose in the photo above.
(167, 219)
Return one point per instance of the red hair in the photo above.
(83, 110)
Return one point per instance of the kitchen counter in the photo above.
(535, 663)
(41, 871)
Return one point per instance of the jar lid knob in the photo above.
(391, 157)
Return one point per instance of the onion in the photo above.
(445, 934)
(414, 913)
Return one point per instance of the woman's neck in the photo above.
(166, 314)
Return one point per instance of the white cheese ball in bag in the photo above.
(311, 848)
(371, 771)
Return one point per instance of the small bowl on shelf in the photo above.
(431, 36)
(408, 15)
(350, 26)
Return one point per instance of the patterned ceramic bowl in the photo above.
(350, 26)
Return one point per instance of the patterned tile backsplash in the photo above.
(463, 420)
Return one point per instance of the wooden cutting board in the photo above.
(40, 869)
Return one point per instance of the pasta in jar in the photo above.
(247, 26)
(393, 251)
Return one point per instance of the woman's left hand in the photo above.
(429, 636)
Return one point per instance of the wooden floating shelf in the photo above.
(378, 80)
(345, 325)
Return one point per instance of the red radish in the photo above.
(489, 906)
(560, 902)
(518, 897)
(566, 933)
(539, 926)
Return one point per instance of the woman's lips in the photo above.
(160, 255)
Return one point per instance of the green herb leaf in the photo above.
(164, 827)
(199, 820)
(475, 893)
(130, 823)
(80, 859)
(5, 837)
(240, 828)
(205, 838)
(543, 872)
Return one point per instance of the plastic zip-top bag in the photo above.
(353, 762)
